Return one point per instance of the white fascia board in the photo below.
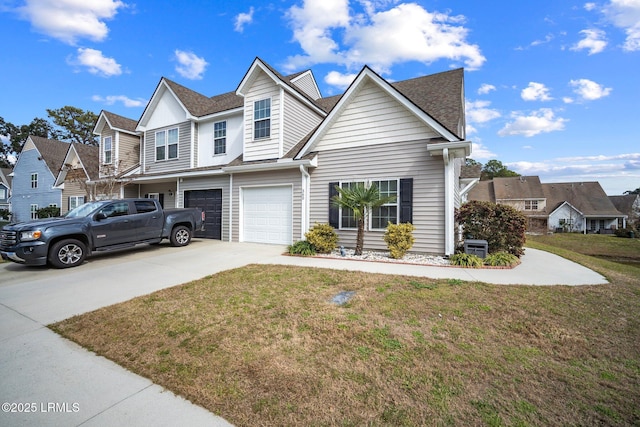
(568, 204)
(162, 87)
(102, 118)
(178, 175)
(220, 115)
(457, 149)
(293, 164)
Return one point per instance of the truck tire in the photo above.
(67, 253)
(180, 236)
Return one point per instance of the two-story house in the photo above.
(34, 177)
(264, 160)
(79, 177)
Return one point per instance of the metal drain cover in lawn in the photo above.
(343, 297)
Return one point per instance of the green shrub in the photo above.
(502, 226)
(399, 239)
(302, 247)
(323, 238)
(624, 232)
(501, 259)
(4, 214)
(466, 260)
(48, 212)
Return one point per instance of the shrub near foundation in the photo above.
(501, 259)
(399, 239)
(466, 260)
(323, 238)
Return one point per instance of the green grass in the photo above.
(263, 345)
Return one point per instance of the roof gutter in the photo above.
(281, 164)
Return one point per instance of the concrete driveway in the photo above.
(49, 381)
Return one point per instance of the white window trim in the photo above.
(166, 144)
(33, 211)
(369, 223)
(34, 174)
(78, 201)
(110, 151)
(214, 139)
(253, 131)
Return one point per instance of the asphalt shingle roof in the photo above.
(121, 122)
(52, 152)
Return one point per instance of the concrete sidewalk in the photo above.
(62, 384)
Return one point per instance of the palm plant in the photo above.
(361, 200)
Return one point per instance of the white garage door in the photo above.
(267, 215)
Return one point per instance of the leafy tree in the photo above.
(76, 124)
(471, 162)
(495, 168)
(361, 200)
(16, 136)
(636, 191)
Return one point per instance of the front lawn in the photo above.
(264, 345)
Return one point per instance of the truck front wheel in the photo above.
(180, 236)
(67, 253)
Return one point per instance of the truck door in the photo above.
(112, 225)
(148, 219)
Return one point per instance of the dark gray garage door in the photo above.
(211, 202)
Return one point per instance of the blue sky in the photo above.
(552, 87)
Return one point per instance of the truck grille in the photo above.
(8, 238)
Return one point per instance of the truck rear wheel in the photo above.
(67, 253)
(180, 236)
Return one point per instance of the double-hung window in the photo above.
(34, 180)
(530, 205)
(347, 217)
(33, 209)
(262, 119)
(167, 144)
(219, 138)
(387, 213)
(75, 201)
(107, 150)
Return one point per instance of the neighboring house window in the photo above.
(107, 150)
(220, 138)
(34, 211)
(530, 205)
(381, 216)
(34, 180)
(75, 201)
(3, 193)
(167, 144)
(262, 119)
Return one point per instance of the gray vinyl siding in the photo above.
(299, 121)
(385, 161)
(373, 117)
(265, 148)
(209, 183)
(184, 150)
(160, 188)
(265, 179)
(128, 150)
(306, 84)
(107, 132)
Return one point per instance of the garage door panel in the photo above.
(211, 202)
(267, 214)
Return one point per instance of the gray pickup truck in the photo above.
(97, 226)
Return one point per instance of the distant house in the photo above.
(629, 204)
(5, 188)
(576, 207)
(34, 177)
(78, 176)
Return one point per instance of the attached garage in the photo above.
(267, 214)
(211, 202)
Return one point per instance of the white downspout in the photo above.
(230, 207)
(449, 175)
(304, 215)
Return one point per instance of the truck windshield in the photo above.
(85, 210)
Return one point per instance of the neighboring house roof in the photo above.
(518, 187)
(467, 172)
(625, 204)
(89, 157)
(52, 152)
(587, 197)
(5, 177)
(483, 191)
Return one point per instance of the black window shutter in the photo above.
(406, 200)
(161, 199)
(69, 203)
(334, 212)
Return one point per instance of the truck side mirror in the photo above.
(100, 216)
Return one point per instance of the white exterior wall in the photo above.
(299, 120)
(266, 148)
(306, 83)
(235, 128)
(565, 212)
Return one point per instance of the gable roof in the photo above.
(5, 177)
(116, 122)
(518, 188)
(587, 197)
(483, 191)
(52, 152)
(89, 157)
(625, 203)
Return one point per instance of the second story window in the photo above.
(220, 138)
(34, 180)
(106, 144)
(530, 205)
(262, 119)
(167, 144)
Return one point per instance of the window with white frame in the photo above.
(220, 138)
(387, 213)
(107, 150)
(262, 119)
(34, 180)
(530, 205)
(34, 211)
(3, 193)
(347, 216)
(167, 144)
(75, 201)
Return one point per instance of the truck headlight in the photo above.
(26, 236)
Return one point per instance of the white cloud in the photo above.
(589, 6)
(625, 14)
(540, 121)
(243, 19)
(328, 31)
(589, 90)
(70, 20)
(190, 66)
(479, 112)
(126, 101)
(485, 89)
(593, 41)
(97, 63)
(535, 92)
(480, 152)
(342, 81)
